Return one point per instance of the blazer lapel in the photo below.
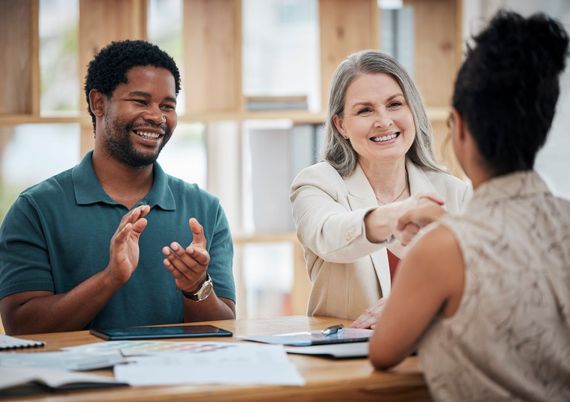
(419, 182)
(361, 195)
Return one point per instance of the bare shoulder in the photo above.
(435, 244)
(436, 257)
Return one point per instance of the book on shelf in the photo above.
(276, 102)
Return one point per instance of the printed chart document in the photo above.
(24, 381)
(347, 335)
(146, 348)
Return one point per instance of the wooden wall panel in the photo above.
(101, 22)
(5, 137)
(19, 68)
(212, 56)
(437, 39)
(345, 27)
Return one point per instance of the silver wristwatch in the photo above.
(203, 292)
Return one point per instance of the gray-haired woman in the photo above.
(378, 163)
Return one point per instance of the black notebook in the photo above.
(10, 342)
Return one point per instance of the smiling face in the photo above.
(140, 116)
(376, 119)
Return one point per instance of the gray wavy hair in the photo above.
(337, 150)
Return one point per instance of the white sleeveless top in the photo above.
(510, 337)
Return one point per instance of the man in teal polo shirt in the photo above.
(110, 242)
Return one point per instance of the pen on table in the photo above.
(332, 330)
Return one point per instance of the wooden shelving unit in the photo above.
(212, 55)
(19, 47)
(212, 49)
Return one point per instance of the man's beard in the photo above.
(121, 148)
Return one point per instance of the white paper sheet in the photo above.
(239, 364)
(66, 360)
(56, 379)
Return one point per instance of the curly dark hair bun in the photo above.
(507, 88)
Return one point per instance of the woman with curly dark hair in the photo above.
(493, 323)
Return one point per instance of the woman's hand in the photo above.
(370, 316)
(414, 219)
(381, 223)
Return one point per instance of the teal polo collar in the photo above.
(160, 194)
(88, 190)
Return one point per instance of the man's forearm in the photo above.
(34, 312)
(210, 309)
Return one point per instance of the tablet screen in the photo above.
(176, 331)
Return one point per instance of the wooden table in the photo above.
(326, 379)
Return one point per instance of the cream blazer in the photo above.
(349, 273)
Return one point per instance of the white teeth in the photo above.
(146, 134)
(384, 138)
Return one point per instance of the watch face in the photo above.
(205, 290)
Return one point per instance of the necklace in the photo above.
(380, 202)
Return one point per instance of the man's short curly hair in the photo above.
(110, 66)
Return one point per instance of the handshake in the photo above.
(402, 220)
(420, 211)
